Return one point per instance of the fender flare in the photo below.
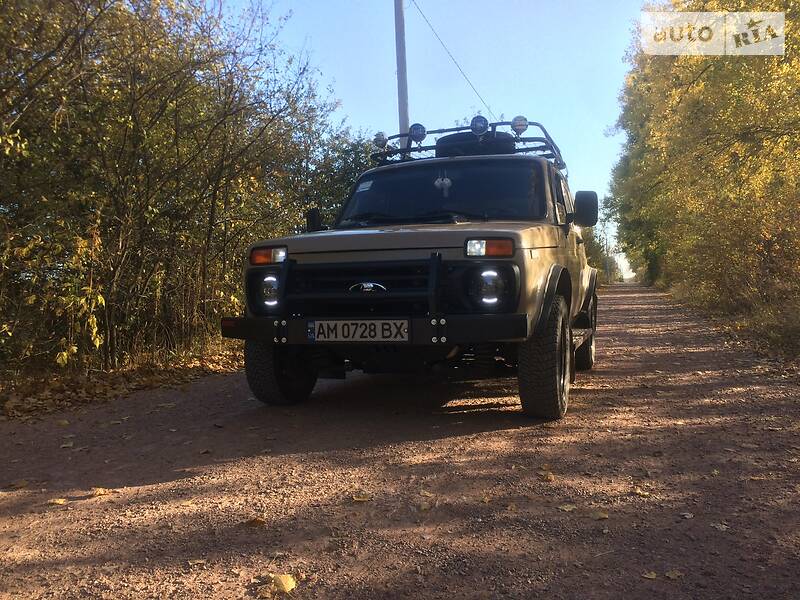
(549, 296)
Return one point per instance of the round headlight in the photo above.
(269, 290)
(479, 125)
(417, 132)
(519, 124)
(380, 140)
(490, 287)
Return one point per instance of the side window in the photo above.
(561, 207)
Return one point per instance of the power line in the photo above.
(455, 62)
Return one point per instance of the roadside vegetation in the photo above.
(706, 191)
(143, 145)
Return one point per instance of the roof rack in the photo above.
(406, 149)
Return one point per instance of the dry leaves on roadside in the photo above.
(650, 575)
(673, 574)
(101, 491)
(57, 501)
(640, 492)
(720, 526)
(361, 496)
(255, 522)
(599, 515)
(426, 493)
(196, 562)
(567, 507)
(278, 585)
(687, 515)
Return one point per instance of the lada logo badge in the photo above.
(368, 287)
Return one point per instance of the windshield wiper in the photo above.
(367, 217)
(454, 215)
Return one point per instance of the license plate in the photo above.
(372, 330)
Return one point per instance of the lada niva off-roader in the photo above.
(471, 255)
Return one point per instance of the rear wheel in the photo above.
(584, 356)
(278, 374)
(545, 364)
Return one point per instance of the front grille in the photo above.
(338, 289)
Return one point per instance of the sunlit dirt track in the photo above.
(674, 474)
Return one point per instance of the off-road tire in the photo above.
(278, 375)
(545, 366)
(584, 355)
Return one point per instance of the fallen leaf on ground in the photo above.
(101, 491)
(714, 472)
(256, 522)
(650, 575)
(206, 451)
(567, 507)
(62, 422)
(546, 476)
(640, 492)
(283, 583)
(197, 562)
(673, 574)
(426, 493)
(69, 444)
(57, 501)
(720, 526)
(687, 515)
(361, 497)
(599, 515)
(117, 422)
(486, 499)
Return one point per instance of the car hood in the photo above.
(418, 236)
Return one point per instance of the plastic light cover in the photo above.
(490, 287)
(519, 124)
(479, 125)
(269, 290)
(417, 132)
(501, 247)
(268, 256)
(380, 140)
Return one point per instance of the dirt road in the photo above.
(675, 474)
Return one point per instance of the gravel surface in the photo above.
(674, 474)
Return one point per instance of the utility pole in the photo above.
(400, 49)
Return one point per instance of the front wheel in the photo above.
(278, 374)
(545, 365)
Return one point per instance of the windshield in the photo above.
(474, 190)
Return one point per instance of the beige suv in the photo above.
(447, 257)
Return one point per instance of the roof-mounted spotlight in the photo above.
(519, 124)
(479, 125)
(417, 132)
(380, 140)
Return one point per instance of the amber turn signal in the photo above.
(267, 256)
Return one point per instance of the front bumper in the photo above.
(448, 329)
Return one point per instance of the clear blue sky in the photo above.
(560, 63)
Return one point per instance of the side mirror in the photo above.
(586, 209)
(313, 220)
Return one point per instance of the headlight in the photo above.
(490, 287)
(269, 290)
(268, 256)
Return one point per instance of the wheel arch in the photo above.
(558, 283)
